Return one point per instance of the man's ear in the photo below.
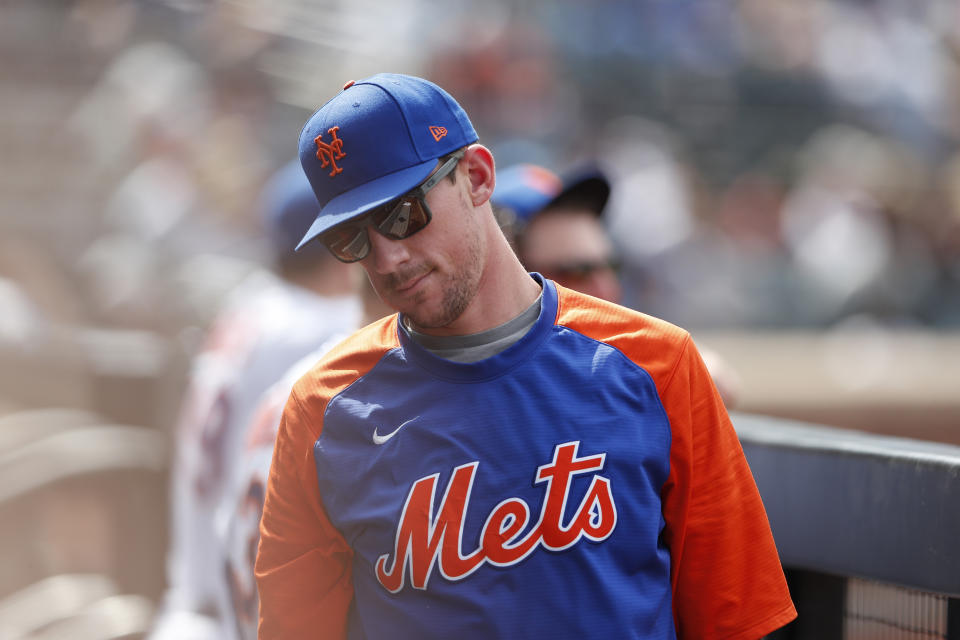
(478, 163)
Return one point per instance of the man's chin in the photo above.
(424, 324)
(429, 322)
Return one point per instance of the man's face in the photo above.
(571, 247)
(432, 276)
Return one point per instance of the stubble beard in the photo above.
(457, 292)
(456, 297)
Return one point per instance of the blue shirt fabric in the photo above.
(495, 427)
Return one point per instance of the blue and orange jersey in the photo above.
(586, 482)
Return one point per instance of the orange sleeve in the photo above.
(725, 571)
(303, 566)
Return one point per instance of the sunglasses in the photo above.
(397, 219)
(579, 270)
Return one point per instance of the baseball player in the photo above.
(238, 516)
(271, 321)
(504, 457)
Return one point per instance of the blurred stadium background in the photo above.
(786, 185)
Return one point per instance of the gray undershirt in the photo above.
(479, 346)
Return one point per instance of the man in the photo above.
(238, 516)
(504, 458)
(273, 319)
(558, 227)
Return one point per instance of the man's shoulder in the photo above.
(651, 343)
(348, 360)
(610, 322)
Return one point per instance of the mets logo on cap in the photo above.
(329, 152)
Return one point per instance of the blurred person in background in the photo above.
(698, 251)
(558, 230)
(180, 162)
(853, 229)
(487, 372)
(238, 516)
(272, 320)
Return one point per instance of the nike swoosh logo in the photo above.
(380, 439)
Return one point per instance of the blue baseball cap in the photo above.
(376, 140)
(287, 206)
(528, 189)
(525, 189)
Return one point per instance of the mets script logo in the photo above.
(328, 154)
(423, 541)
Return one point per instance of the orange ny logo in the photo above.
(330, 153)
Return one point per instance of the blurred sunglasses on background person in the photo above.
(397, 219)
(578, 271)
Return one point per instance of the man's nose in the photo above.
(385, 253)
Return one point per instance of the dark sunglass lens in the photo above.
(348, 243)
(381, 214)
(396, 224)
(418, 216)
(407, 217)
(358, 247)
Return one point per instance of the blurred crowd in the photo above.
(773, 165)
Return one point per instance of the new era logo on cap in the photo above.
(394, 128)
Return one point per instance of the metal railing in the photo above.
(867, 526)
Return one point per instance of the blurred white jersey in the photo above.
(238, 516)
(265, 327)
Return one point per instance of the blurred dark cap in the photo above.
(528, 189)
(288, 207)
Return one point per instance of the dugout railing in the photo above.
(867, 526)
